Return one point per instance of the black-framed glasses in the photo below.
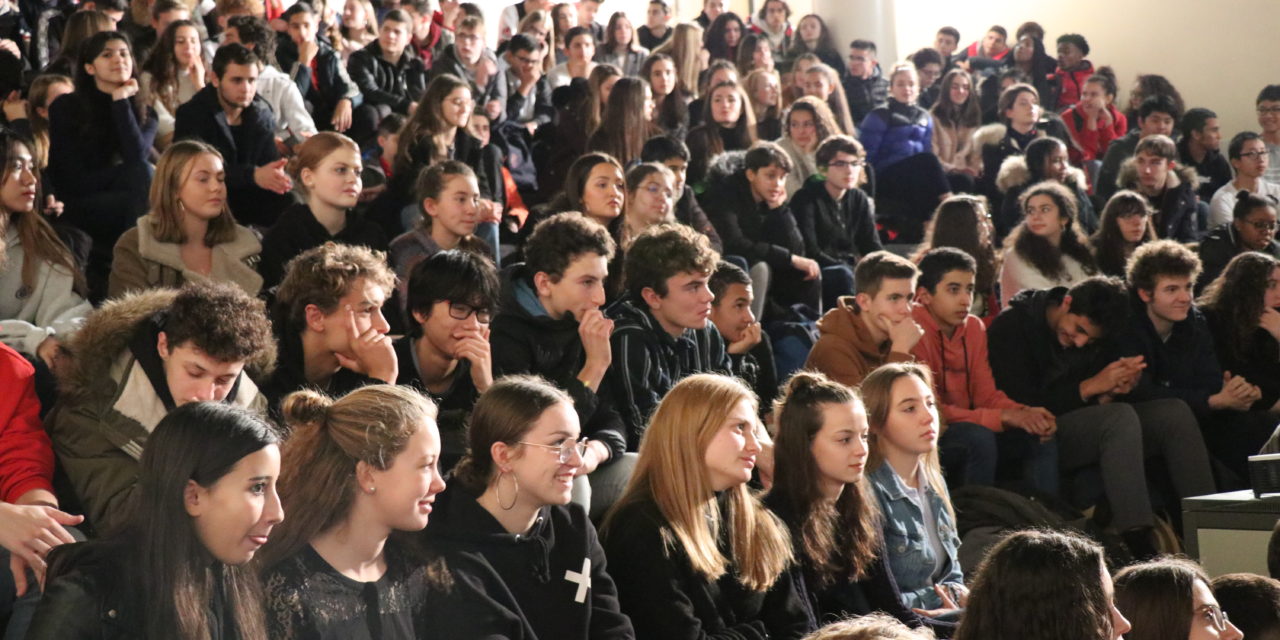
(1253, 155)
(1268, 110)
(563, 451)
(1265, 227)
(845, 164)
(1216, 616)
(459, 311)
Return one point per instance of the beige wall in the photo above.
(1218, 55)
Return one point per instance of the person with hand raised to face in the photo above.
(359, 474)
(317, 70)
(821, 491)
(329, 325)
(446, 355)
(506, 523)
(172, 75)
(100, 136)
(694, 552)
(551, 324)
(327, 174)
(179, 566)
(873, 327)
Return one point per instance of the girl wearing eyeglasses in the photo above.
(1248, 155)
(695, 553)
(1171, 599)
(357, 472)
(506, 524)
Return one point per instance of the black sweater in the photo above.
(668, 600)
(835, 232)
(876, 591)
(1184, 366)
(1028, 362)
(297, 230)
(532, 585)
(1258, 361)
(454, 403)
(381, 82)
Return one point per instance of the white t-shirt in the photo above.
(920, 498)
(1222, 206)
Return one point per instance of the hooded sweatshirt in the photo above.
(846, 351)
(548, 583)
(524, 338)
(961, 373)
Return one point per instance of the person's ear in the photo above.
(542, 283)
(502, 454)
(429, 206)
(307, 176)
(364, 476)
(194, 498)
(863, 300)
(651, 298)
(88, 68)
(1144, 295)
(315, 318)
(162, 345)
(923, 296)
(419, 317)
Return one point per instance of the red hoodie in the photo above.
(1071, 84)
(961, 374)
(26, 455)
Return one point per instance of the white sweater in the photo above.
(1017, 274)
(51, 307)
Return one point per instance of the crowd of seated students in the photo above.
(324, 321)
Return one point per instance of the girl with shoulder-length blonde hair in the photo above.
(189, 233)
(358, 473)
(507, 521)
(919, 524)
(689, 545)
(820, 491)
(685, 48)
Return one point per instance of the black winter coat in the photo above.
(381, 82)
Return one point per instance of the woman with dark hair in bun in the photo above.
(205, 503)
(1252, 228)
(357, 471)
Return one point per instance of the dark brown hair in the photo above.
(1160, 258)
(1039, 252)
(1110, 249)
(1158, 597)
(504, 413)
(559, 240)
(221, 320)
(956, 224)
(663, 251)
(1236, 298)
(876, 267)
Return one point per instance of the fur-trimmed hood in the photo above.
(107, 332)
(988, 135)
(1127, 177)
(1015, 173)
(725, 165)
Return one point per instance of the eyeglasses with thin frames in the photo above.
(1216, 616)
(564, 451)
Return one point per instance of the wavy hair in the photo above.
(956, 223)
(1039, 252)
(950, 114)
(163, 66)
(1236, 298)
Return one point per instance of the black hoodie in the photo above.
(524, 339)
(532, 584)
(1028, 362)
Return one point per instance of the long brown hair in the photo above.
(594, 109)
(1158, 597)
(172, 171)
(163, 66)
(956, 224)
(329, 437)
(1236, 297)
(838, 101)
(40, 243)
(823, 120)
(672, 473)
(38, 96)
(684, 46)
(610, 36)
(840, 539)
(950, 114)
(428, 120)
(1039, 252)
(624, 130)
(1110, 249)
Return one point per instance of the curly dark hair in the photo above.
(664, 251)
(1160, 258)
(220, 320)
(956, 223)
(1110, 249)
(1045, 585)
(1236, 299)
(559, 240)
(1039, 252)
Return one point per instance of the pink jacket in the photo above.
(961, 374)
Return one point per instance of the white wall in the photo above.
(1218, 55)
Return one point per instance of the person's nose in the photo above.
(380, 323)
(273, 514)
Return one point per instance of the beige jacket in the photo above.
(142, 262)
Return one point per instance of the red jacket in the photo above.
(961, 374)
(1092, 145)
(1070, 84)
(26, 455)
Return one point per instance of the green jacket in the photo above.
(108, 406)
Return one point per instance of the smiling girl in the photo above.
(326, 172)
(189, 234)
(689, 544)
(357, 471)
(449, 198)
(205, 504)
(919, 524)
(507, 523)
(172, 75)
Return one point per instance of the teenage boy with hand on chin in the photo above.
(873, 327)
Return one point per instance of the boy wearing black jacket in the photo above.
(1173, 338)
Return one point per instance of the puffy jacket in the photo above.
(1071, 83)
(381, 82)
(110, 403)
(966, 388)
(142, 262)
(1015, 177)
(896, 132)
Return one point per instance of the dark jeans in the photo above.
(916, 181)
(837, 280)
(970, 454)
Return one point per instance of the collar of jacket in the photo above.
(231, 260)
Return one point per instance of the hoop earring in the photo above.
(498, 491)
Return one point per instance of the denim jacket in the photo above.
(911, 557)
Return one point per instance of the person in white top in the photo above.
(173, 73)
(1249, 158)
(1046, 249)
(294, 123)
(509, 21)
(580, 46)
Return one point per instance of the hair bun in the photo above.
(305, 407)
(1106, 70)
(802, 381)
(1243, 194)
